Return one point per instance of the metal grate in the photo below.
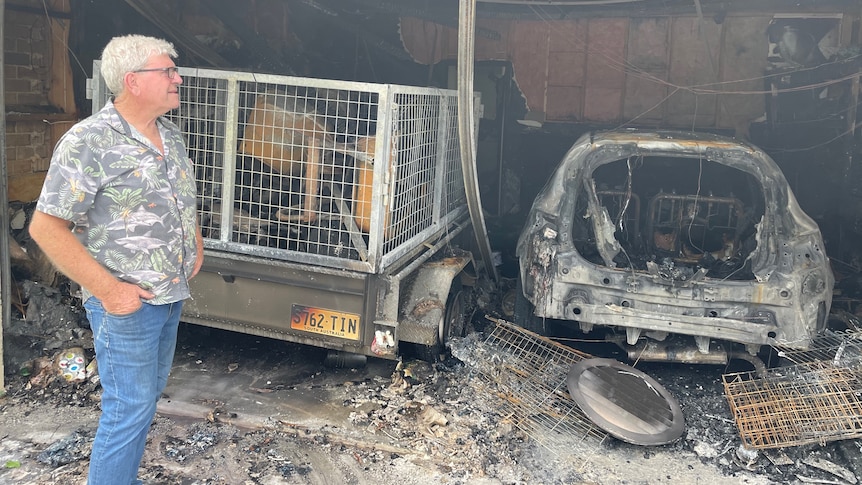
(427, 191)
(299, 182)
(528, 372)
(337, 173)
(839, 348)
(202, 117)
(815, 401)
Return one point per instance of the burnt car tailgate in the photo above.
(675, 233)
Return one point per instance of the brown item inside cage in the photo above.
(293, 143)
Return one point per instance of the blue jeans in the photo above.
(134, 355)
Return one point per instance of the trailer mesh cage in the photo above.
(341, 174)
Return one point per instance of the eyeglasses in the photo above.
(171, 72)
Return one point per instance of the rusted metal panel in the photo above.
(429, 43)
(493, 48)
(566, 70)
(680, 70)
(529, 50)
(648, 45)
(643, 100)
(605, 76)
(648, 58)
(426, 42)
(568, 35)
(694, 61)
(566, 104)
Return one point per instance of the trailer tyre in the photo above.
(455, 318)
(453, 324)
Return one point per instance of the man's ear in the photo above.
(130, 82)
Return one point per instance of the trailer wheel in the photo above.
(454, 321)
(452, 324)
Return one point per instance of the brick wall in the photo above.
(35, 71)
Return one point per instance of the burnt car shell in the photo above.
(675, 233)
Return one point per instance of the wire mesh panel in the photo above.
(202, 117)
(529, 372)
(839, 348)
(335, 173)
(427, 184)
(454, 196)
(814, 402)
(298, 183)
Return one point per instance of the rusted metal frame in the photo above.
(815, 402)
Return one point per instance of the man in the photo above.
(122, 181)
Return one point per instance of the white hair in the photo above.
(130, 53)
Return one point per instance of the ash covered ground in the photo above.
(409, 422)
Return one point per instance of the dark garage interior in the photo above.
(652, 64)
(783, 76)
(367, 41)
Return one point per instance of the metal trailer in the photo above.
(330, 210)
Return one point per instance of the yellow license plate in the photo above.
(325, 322)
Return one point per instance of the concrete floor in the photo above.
(253, 382)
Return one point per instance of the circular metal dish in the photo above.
(625, 402)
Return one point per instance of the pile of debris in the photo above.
(799, 422)
(491, 409)
(455, 421)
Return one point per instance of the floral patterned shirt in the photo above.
(131, 207)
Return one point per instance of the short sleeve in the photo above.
(73, 178)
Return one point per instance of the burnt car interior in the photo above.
(673, 215)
